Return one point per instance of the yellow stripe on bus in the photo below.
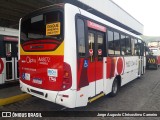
(96, 97)
(58, 51)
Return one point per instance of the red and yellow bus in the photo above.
(71, 57)
(153, 59)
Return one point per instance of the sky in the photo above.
(146, 12)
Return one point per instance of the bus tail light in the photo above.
(67, 77)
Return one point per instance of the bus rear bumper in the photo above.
(65, 98)
(41, 93)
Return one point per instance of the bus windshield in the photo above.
(154, 51)
(46, 27)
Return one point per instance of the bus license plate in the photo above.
(37, 81)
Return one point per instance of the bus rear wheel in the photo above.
(156, 67)
(115, 88)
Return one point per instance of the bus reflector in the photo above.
(65, 96)
(81, 95)
(40, 45)
(67, 77)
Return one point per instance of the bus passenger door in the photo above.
(16, 65)
(95, 68)
(11, 68)
(140, 66)
(141, 51)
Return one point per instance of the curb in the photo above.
(14, 99)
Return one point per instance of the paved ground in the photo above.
(8, 92)
(139, 95)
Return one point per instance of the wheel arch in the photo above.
(118, 77)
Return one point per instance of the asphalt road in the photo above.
(139, 95)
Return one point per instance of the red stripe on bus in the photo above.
(1, 66)
(96, 26)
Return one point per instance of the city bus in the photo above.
(8, 55)
(153, 59)
(72, 57)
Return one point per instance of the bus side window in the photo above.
(123, 45)
(137, 49)
(91, 41)
(81, 38)
(141, 47)
(128, 45)
(100, 47)
(116, 43)
(110, 43)
(144, 48)
(8, 49)
(133, 46)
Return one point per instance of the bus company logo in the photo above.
(131, 63)
(30, 60)
(151, 60)
(44, 60)
(115, 66)
(120, 65)
(52, 72)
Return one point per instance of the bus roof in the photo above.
(122, 19)
(9, 31)
(116, 15)
(113, 13)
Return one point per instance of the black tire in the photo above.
(115, 88)
(156, 67)
(147, 67)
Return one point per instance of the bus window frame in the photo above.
(105, 54)
(78, 16)
(86, 35)
(111, 30)
(77, 37)
(122, 34)
(119, 43)
(41, 12)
